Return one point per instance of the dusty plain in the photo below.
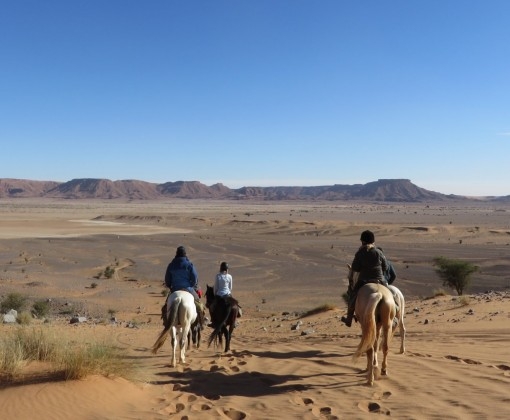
(286, 258)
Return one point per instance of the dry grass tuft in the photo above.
(319, 309)
(71, 359)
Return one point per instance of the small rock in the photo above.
(77, 320)
(9, 319)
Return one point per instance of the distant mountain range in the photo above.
(382, 190)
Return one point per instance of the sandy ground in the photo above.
(286, 258)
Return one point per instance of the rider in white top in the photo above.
(223, 282)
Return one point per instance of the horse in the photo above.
(375, 310)
(181, 311)
(400, 301)
(223, 320)
(195, 333)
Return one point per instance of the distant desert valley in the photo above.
(287, 257)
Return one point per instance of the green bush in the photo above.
(456, 274)
(14, 301)
(41, 308)
(109, 272)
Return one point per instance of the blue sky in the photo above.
(258, 93)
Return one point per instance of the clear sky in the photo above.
(258, 93)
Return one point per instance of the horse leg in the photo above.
(377, 344)
(370, 366)
(402, 328)
(174, 345)
(227, 333)
(183, 343)
(385, 347)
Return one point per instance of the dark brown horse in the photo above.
(223, 317)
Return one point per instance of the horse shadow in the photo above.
(214, 384)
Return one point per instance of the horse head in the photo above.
(209, 296)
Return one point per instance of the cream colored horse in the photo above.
(181, 312)
(375, 310)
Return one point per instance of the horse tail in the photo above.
(217, 331)
(214, 336)
(368, 327)
(169, 322)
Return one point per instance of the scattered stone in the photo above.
(296, 326)
(78, 319)
(10, 317)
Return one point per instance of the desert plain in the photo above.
(286, 258)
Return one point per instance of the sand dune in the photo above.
(285, 259)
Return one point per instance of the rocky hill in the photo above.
(383, 190)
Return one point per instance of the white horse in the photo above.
(181, 312)
(400, 301)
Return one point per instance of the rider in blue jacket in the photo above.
(181, 274)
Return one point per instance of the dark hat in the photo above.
(367, 237)
(181, 251)
(223, 266)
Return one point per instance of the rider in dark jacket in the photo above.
(182, 275)
(371, 264)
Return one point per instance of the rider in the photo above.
(370, 262)
(182, 275)
(223, 288)
(389, 275)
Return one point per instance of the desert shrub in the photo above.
(14, 301)
(439, 292)
(93, 285)
(70, 358)
(93, 358)
(464, 300)
(109, 272)
(41, 308)
(455, 274)
(24, 318)
(21, 345)
(319, 309)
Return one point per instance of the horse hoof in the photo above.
(384, 372)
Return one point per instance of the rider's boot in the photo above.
(347, 320)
